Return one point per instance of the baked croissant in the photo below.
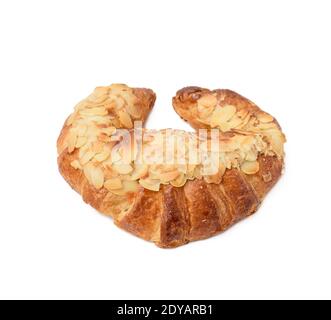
(196, 188)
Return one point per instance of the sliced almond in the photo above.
(117, 88)
(86, 157)
(264, 117)
(118, 192)
(109, 131)
(208, 101)
(182, 168)
(130, 186)
(110, 105)
(116, 123)
(133, 110)
(168, 176)
(277, 140)
(251, 156)
(92, 131)
(123, 168)
(140, 171)
(190, 171)
(82, 105)
(97, 147)
(94, 112)
(115, 155)
(218, 176)
(126, 150)
(119, 102)
(244, 121)
(113, 184)
(101, 91)
(153, 185)
(179, 181)
(125, 119)
(128, 96)
(267, 126)
(95, 175)
(104, 155)
(81, 130)
(104, 138)
(82, 151)
(154, 171)
(81, 141)
(72, 139)
(197, 172)
(252, 123)
(76, 165)
(234, 122)
(87, 170)
(224, 126)
(204, 112)
(99, 120)
(71, 119)
(242, 114)
(250, 167)
(110, 173)
(95, 98)
(222, 114)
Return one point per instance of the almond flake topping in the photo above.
(113, 184)
(109, 161)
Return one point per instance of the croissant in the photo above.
(171, 186)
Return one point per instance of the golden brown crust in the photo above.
(175, 216)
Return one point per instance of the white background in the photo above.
(53, 53)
